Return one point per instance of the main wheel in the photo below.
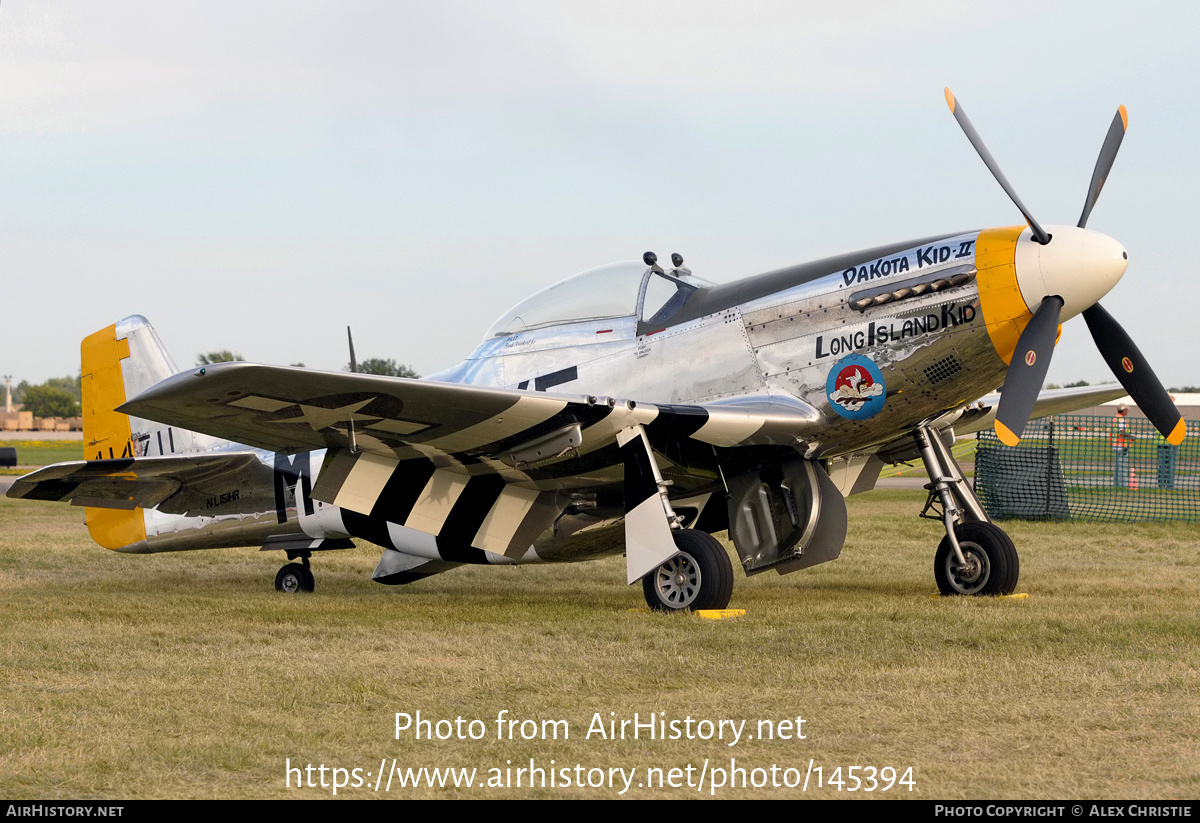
(294, 578)
(992, 566)
(699, 577)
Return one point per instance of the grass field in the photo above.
(964, 454)
(42, 452)
(185, 675)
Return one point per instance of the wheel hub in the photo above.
(678, 581)
(967, 572)
(971, 576)
(290, 584)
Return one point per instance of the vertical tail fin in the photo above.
(118, 363)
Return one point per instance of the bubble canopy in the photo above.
(605, 291)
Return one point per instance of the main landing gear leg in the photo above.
(295, 577)
(681, 569)
(975, 556)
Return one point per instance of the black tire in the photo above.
(294, 578)
(699, 577)
(994, 565)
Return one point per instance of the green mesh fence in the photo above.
(1090, 468)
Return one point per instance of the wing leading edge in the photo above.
(1048, 403)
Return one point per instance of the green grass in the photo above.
(964, 455)
(1097, 447)
(43, 452)
(185, 675)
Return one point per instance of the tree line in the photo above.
(372, 365)
(57, 397)
(63, 396)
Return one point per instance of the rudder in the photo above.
(118, 363)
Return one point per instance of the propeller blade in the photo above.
(1135, 374)
(1108, 153)
(1027, 370)
(1039, 233)
(353, 368)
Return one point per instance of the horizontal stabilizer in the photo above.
(175, 485)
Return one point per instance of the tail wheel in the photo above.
(294, 578)
(699, 577)
(992, 566)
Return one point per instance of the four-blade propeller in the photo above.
(1031, 359)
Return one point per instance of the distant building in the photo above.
(1188, 405)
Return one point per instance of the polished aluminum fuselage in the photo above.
(772, 340)
(932, 349)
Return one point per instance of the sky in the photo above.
(256, 176)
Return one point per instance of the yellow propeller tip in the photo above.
(1005, 434)
(1177, 433)
(950, 98)
(1124, 117)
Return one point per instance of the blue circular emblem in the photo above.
(855, 387)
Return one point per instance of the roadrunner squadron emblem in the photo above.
(855, 387)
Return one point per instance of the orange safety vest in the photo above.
(1118, 434)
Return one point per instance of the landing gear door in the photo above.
(786, 517)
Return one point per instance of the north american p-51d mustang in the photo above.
(630, 408)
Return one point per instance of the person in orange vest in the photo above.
(1121, 439)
